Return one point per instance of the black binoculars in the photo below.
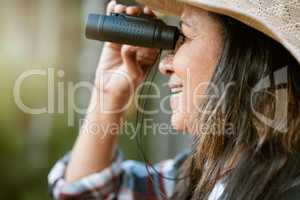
(141, 30)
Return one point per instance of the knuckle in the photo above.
(110, 7)
(133, 10)
(136, 79)
(127, 50)
(124, 51)
(120, 8)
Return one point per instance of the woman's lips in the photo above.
(175, 99)
(175, 90)
(174, 87)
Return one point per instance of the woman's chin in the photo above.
(177, 121)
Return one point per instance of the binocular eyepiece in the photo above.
(132, 30)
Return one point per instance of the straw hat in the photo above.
(279, 19)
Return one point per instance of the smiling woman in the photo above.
(235, 88)
(193, 62)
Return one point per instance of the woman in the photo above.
(235, 84)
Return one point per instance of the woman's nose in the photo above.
(166, 65)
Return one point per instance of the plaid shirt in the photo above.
(130, 180)
(121, 180)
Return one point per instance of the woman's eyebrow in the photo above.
(181, 22)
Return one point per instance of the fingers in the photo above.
(129, 54)
(147, 56)
(110, 7)
(137, 60)
(119, 8)
(114, 7)
(148, 11)
(133, 10)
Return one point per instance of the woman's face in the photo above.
(192, 64)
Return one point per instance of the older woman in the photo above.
(246, 138)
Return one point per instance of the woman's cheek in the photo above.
(194, 65)
(180, 113)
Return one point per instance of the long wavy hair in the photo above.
(235, 143)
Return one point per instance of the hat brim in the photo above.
(175, 7)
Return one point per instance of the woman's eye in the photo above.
(181, 40)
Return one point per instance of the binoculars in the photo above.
(140, 30)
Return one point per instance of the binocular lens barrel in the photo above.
(137, 31)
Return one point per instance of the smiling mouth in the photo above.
(176, 90)
(175, 87)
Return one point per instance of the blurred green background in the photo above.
(42, 35)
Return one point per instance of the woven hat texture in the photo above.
(279, 19)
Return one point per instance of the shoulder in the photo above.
(145, 169)
(152, 179)
(129, 179)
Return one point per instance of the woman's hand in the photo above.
(123, 67)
